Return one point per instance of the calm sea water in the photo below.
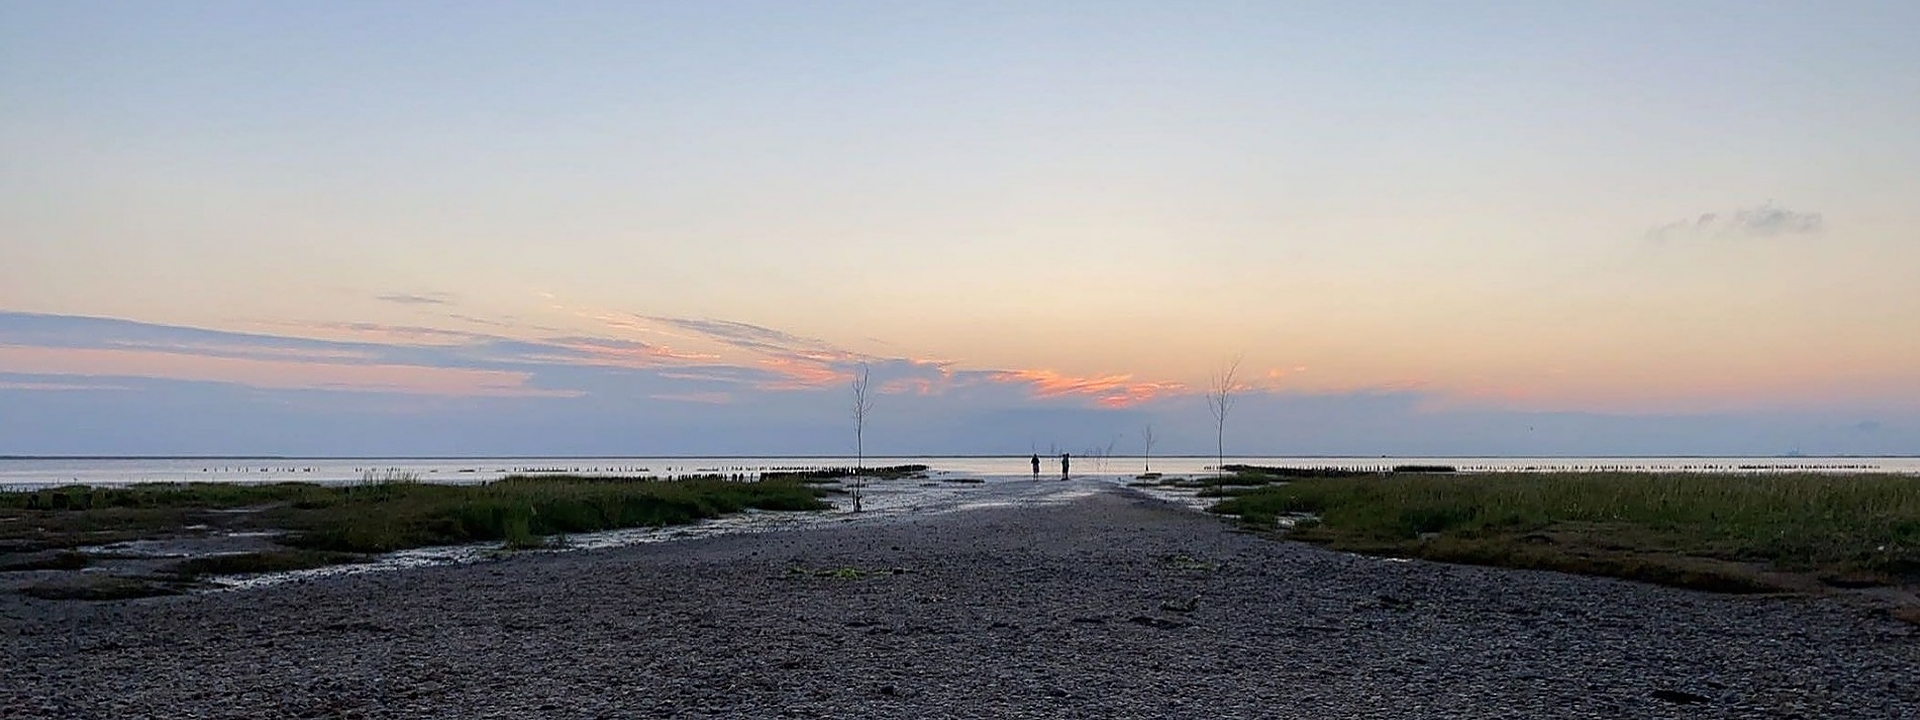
(42, 472)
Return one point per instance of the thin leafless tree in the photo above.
(1100, 455)
(1220, 400)
(1146, 439)
(862, 404)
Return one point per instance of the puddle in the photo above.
(1186, 497)
(143, 550)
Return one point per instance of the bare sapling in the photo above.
(1219, 401)
(1146, 441)
(862, 404)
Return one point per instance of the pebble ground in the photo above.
(1111, 605)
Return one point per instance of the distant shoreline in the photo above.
(948, 456)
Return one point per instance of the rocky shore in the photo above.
(1110, 605)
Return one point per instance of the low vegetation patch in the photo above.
(1288, 473)
(98, 587)
(891, 472)
(48, 560)
(331, 524)
(521, 511)
(1425, 469)
(161, 495)
(1238, 478)
(1216, 482)
(1695, 530)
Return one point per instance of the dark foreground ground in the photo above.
(1111, 605)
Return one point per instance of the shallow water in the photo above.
(22, 473)
(882, 501)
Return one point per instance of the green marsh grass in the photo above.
(73, 516)
(521, 511)
(385, 513)
(1675, 528)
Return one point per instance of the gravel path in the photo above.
(1108, 604)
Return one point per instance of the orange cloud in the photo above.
(271, 374)
(1110, 391)
(917, 386)
(937, 383)
(800, 374)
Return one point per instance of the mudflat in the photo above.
(1018, 604)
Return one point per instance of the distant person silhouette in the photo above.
(1036, 466)
(1066, 461)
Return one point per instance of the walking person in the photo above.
(1036, 466)
(1065, 461)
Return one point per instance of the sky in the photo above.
(682, 228)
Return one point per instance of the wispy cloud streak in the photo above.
(274, 374)
(57, 386)
(434, 298)
(1764, 220)
(754, 363)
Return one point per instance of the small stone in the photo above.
(1678, 696)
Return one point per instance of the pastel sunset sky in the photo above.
(642, 228)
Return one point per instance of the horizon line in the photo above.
(945, 456)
